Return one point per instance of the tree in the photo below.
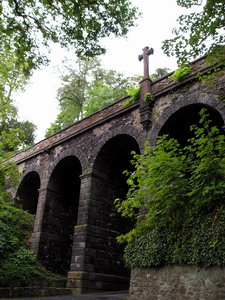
(72, 94)
(76, 83)
(28, 128)
(14, 134)
(26, 26)
(159, 73)
(11, 130)
(108, 86)
(86, 89)
(199, 33)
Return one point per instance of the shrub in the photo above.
(177, 197)
(134, 93)
(18, 262)
(180, 73)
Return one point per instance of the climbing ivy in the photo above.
(199, 242)
(177, 197)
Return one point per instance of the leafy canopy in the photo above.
(86, 88)
(26, 26)
(199, 33)
(14, 134)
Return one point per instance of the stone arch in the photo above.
(192, 103)
(28, 169)
(60, 212)
(137, 134)
(79, 154)
(108, 183)
(27, 194)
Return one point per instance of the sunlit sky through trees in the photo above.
(38, 103)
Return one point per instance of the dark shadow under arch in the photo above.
(60, 215)
(109, 183)
(178, 124)
(27, 193)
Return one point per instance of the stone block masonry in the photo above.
(177, 283)
(75, 175)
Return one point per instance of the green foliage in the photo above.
(108, 87)
(176, 195)
(134, 93)
(159, 73)
(199, 242)
(16, 226)
(19, 267)
(8, 178)
(150, 248)
(27, 26)
(180, 73)
(158, 186)
(86, 89)
(217, 60)
(12, 74)
(101, 95)
(199, 33)
(28, 129)
(13, 134)
(62, 120)
(149, 97)
(18, 263)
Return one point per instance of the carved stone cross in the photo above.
(144, 56)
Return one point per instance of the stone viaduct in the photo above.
(69, 181)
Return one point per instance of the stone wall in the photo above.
(76, 174)
(177, 283)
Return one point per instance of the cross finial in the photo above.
(144, 56)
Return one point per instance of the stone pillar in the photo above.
(145, 107)
(94, 263)
(80, 267)
(36, 235)
(145, 86)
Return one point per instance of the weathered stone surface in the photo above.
(75, 175)
(177, 282)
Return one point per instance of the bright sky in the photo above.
(38, 103)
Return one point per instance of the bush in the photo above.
(177, 197)
(180, 73)
(134, 93)
(17, 261)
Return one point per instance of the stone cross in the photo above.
(144, 56)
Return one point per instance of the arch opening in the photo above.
(178, 125)
(28, 193)
(60, 217)
(109, 183)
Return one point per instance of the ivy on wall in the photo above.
(177, 197)
(199, 242)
